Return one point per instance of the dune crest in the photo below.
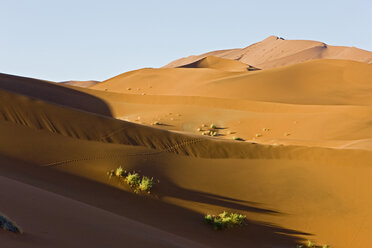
(274, 52)
(316, 82)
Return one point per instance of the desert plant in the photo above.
(213, 126)
(119, 171)
(237, 138)
(8, 225)
(132, 179)
(224, 220)
(146, 184)
(310, 244)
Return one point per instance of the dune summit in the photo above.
(273, 141)
(275, 52)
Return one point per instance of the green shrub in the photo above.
(119, 171)
(213, 126)
(310, 244)
(146, 184)
(133, 179)
(8, 225)
(225, 220)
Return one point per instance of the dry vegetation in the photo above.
(133, 179)
(225, 220)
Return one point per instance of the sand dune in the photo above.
(213, 62)
(317, 82)
(80, 83)
(87, 157)
(300, 171)
(274, 52)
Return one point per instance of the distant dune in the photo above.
(313, 82)
(81, 83)
(213, 62)
(274, 52)
(277, 131)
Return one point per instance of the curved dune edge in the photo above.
(236, 113)
(36, 114)
(274, 51)
(213, 62)
(190, 183)
(316, 82)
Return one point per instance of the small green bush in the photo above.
(133, 179)
(312, 245)
(119, 171)
(146, 184)
(225, 220)
(213, 126)
(8, 225)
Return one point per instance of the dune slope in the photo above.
(289, 193)
(318, 82)
(288, 146)
(274, 52)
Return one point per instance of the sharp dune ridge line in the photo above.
(279, 131)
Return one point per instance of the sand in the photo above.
(275, 52)
(80, 83)
(301, 172)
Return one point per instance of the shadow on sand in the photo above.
(54, 93)
(147, 209)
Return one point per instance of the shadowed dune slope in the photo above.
(318, 82)
(315, 199)
(40, 115)
(52, 92)
(274, 52)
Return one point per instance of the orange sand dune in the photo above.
(80, 83)
(274, 52)
(319, 82)
(250, 179)
(213, 62)
(300, 170)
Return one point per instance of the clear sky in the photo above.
(83, 40)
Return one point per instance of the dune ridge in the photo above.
(317, 82)
(275, 52)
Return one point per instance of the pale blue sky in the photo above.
(82, 40)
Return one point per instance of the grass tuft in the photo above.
(156, 123)
(225, 220)
(146, 184)
(133, 179)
